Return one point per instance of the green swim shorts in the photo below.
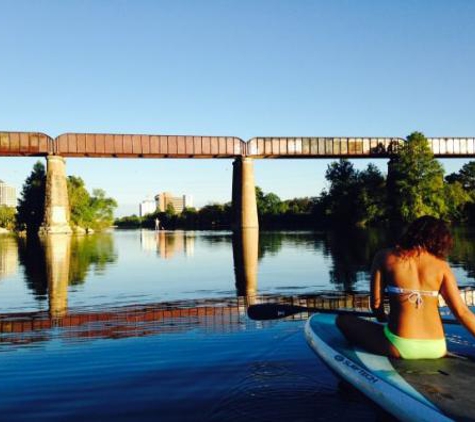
(410, 348)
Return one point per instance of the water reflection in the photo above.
(168, 243)
(52, 263)
(245, 263)
(58, 256)
(8, 256)
(245, 255)
(352, 252)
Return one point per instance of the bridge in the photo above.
(96, 145)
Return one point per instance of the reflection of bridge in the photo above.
(161, 146)
(153, 319)
(167, 318)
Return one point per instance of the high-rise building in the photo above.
(147, 207)
(179, 203)
(7, 195)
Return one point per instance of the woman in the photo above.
(412, 274)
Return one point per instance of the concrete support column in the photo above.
(244, 195)
(58, 257)
(56, 219)
(246, 257)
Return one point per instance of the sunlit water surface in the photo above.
(139, 325)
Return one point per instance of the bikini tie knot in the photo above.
(416, 298)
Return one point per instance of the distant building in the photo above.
(147, 207)
(7, 195)
(164, 199)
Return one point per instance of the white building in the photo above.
(187, 201)
(7, 195)
(147, 207)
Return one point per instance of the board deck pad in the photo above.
(440, 389)
(449, 383)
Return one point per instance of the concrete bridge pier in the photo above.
(56, 219)
(244, 195)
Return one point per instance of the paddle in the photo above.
(267, 311)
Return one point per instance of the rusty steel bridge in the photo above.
(175, 146)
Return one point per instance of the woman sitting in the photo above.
(413, 274)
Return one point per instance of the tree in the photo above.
(465, 176)
(460, 193)
(340, 200)
(102, 209)
(89, 212)
(31, 206)
(416, 181)
(79, 202)
(457, 200)
(370, 197)
(269, 203)
(7, 217)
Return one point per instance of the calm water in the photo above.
(138, 325)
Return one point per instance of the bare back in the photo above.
(417, 272)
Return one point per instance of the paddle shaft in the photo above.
(268, 311)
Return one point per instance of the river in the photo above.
(144, 325)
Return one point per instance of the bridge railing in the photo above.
(174, 146)
(308, 147)
(25, 144)
(147, 146)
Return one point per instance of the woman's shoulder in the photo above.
(383, 255)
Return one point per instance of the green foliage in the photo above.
(7, 217)
(416, 181)
(457, 201)
(79, 201)
(370, 204)
(102, 209)
(96, 252)
(132, 221)
(354, 198)
(268, 203)
(466, 177)
(89, 212)
(31, 205)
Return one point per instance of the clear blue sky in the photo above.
(242, 68)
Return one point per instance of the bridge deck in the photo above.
(174, 146)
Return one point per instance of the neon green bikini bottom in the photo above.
(410, 348)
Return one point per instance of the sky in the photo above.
(242, 68)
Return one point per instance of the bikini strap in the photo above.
(415, 296)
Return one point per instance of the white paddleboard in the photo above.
(417, 390)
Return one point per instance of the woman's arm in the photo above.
(451, 294)
(377, 288)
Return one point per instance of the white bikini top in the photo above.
(415, 296)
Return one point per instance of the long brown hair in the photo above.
(426, 233)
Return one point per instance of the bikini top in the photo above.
(415, 296)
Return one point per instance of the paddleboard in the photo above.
(411, 390)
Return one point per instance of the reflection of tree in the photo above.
(352, 252)
(86, 251)
(463, 252)
(93, 250)
(33, 259)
